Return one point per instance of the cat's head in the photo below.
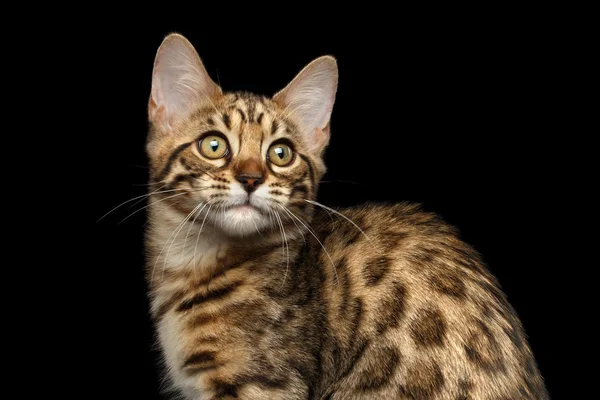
(237, 161)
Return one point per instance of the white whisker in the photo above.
(146, 206)
(285, 246)
(136, 198)
(255, 226)
(200, 230)
(167, 242)
(337, 213)
(315, 236)
(190, 228)
(299, 229)
(181, 225)
(167, 198)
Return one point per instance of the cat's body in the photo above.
(268, 296)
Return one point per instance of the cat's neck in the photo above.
(178, 247)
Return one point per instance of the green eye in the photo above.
(281, 154)
(213, 146)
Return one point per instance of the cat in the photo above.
(259, 292)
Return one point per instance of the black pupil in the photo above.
(280, 152)
(214, 145)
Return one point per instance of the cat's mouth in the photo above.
(248, 205)
(245, 207)
(243, 218)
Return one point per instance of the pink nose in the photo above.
(250, 182)
(250, 174)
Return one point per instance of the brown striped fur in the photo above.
(306, 306)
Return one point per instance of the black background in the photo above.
(452, 115)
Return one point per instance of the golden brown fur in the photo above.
(309, 306)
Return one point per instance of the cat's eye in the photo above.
(213, 146)
(281, 154)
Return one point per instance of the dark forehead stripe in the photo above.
(256, 106)
(251, 106)
(227, 120)
(171, 160)
(274, 127)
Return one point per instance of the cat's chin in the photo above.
(243, 220)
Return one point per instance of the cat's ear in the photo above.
(179, 82)
(310, 97)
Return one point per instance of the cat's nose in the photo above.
(250, 182)
(250, 174)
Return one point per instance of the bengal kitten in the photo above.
(259, 292)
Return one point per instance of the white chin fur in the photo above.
(242, 221)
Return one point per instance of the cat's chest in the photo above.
(199, 320)
(188, 253)
(177, 344)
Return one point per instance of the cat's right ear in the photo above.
(179, 82)
(310, 96)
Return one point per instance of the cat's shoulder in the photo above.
(396, 231)
(381, 218)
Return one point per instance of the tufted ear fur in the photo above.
(310, 97)
(179, 82)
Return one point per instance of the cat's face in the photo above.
(242, 161)
(239, 162)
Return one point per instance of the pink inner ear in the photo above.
(320, 139)
(158, 115)
(152, 109)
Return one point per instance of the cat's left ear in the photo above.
(310, 97)
(179, 83)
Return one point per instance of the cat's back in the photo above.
(414, 311)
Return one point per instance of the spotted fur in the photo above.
(307, 305)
